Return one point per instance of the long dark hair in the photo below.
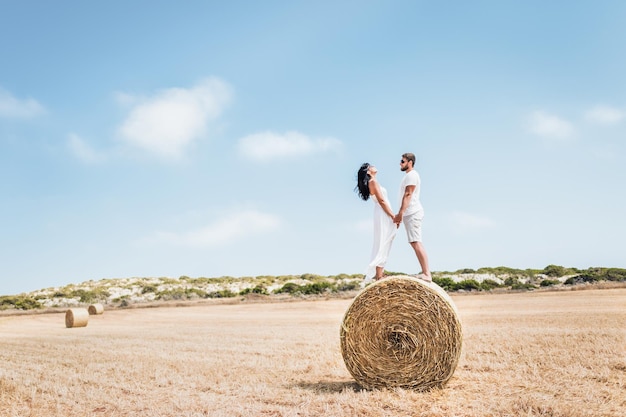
(363, 182)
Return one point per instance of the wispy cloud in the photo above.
(550, 126)
(239, 225)
(83, 151)
(604, 115)
(168, 122)
(269, 145)
(463, 221)
(12, 107)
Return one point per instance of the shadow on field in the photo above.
(330, 386)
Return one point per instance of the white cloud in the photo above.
(168, 122)
(14, 107)
(470, 222)
(82, 150)
(269, 145)
(550, 126)
(239, 225)
(604, 115)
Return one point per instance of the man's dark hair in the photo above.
(409, 157)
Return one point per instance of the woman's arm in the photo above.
(376, 191)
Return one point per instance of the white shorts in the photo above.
(413, 226)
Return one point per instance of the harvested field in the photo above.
(525, 354)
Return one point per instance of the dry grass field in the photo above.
(558, 353)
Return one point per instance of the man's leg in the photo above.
(413, 226)
(422, 257)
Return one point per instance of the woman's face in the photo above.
(372, 170)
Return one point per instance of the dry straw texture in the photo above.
(401, 332)
(96, 309)
(76, 317)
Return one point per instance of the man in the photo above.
(411, 212)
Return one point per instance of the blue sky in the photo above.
(209, 139)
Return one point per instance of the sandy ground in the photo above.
(545, 353)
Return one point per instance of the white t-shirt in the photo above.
(411, 178)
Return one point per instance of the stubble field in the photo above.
(557, 353)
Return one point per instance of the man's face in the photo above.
(404, 164)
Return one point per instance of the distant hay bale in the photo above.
(76, 317)
(95, 309)
(401, 332)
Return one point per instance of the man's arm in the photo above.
(406, 199)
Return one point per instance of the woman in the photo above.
(384, 227)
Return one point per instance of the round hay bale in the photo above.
(95, 309)
(401, 332)
(76, 317)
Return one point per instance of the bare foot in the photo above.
(425, 277)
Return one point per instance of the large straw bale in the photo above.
(401, 332)
(76, 317)
(95, 309)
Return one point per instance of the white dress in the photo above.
(384, 233)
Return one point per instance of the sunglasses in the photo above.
(402, 161)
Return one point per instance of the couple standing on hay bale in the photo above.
(386, 222)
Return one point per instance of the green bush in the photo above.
(599, 274)
(523, 286)
(19, 302)
(554, 271)
(616, 274)
(197, 281)
(181, 294)
(289, 288)
(90, 296)
(172, 294)
(195, 292)
(318, 288)
(149, 288)
(348, 286)
(590, 275)
(467, 285)
(393, 273)
(259, 289)
(573, 280)
(489, 284)
(446, 283)
(503, 270)
(222, 294)
(549, 282)
(311, 277)
(511, 281)
(308, 289)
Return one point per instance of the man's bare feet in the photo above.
(424, 277)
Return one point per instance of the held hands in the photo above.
(393, 219)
